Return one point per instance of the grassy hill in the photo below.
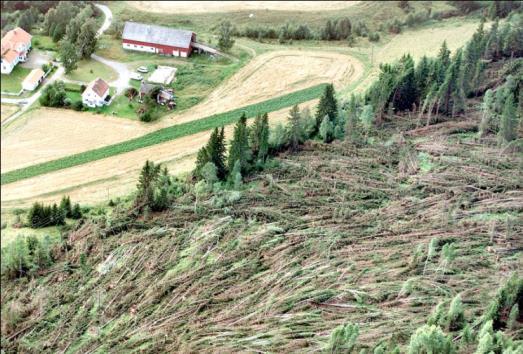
(330, 235)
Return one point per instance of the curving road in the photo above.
(121, 83)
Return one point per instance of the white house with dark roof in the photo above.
(157, 39)
(96, 93)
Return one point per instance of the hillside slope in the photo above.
(330, 235)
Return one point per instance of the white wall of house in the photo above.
(8, 67)
(139, 48)
(30, 86)
(91, 99)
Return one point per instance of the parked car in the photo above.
(136, 76)
(142, 69)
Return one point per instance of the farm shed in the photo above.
(163, 75)
(32, 80)
(157, 39)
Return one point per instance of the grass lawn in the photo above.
(44, 42)
(89, 70)
(9, 233)
(13, 81)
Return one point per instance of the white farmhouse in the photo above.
(96, 93)
(15, 47)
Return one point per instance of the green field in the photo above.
(165, 134)
(89, 70)
(13, 81)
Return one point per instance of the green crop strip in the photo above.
(165, 134)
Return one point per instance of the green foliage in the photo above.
(163, 135)
(66, 207)
(430, 340)
(448, 254)
(68, 56)
(343, 338)
(86, 42)
(437, 317)
(236, 176)
(488, 114)
(296, 133)
(42, 216)
(327, 130)
(278, 137)
(209, 173)
(509, 121)
(505, 298)
(328, 106)
(456, 315)
(240, 150)
(53, 95)
(367, 117)
(26, 255)
(259, 137)
(225, 40)
(214, 152)
(351, 124)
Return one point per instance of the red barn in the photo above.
(157, 39)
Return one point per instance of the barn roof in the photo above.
(157, 34)
(34, 76)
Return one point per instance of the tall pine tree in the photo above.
(508, 124)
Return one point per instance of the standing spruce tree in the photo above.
(240, 150)
(259, 137)
(405, 94)
(351, 125)
(146, 183)
(213, 151)
(472, 64)
(451, 96)
(295, 128)
(421, 75)
(327, 106)
(508, 124)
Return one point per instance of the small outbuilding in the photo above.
(163, 75)
(96, 94)
(31, 82)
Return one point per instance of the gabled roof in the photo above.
(9, 55)
(14, 37)
(34, 76)
(157, 35)
(98, 86)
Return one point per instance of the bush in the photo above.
(78, 105)
(374, 37)
(146, 117)
(54, 95)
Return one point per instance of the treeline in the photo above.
(439, 86)
(25, 14)
(41, 215)
(332, 30)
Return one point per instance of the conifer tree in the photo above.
(327, 130)
(65, 205)
(327, 106)
(472, 64)
(451, 96)
(146, 182)
(444, 55)
(213, 151)
(239, 150)
(295, 128)
(422, 73)
(494, 42)
(405, 94)
(255, 133)
(508, 123)
(264, 139)
(351, 125)
(487, 109)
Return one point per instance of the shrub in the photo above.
(456, 316)
(146, 117)
(374, 37)
(26, 255)
(53, 95)
(78, 105)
